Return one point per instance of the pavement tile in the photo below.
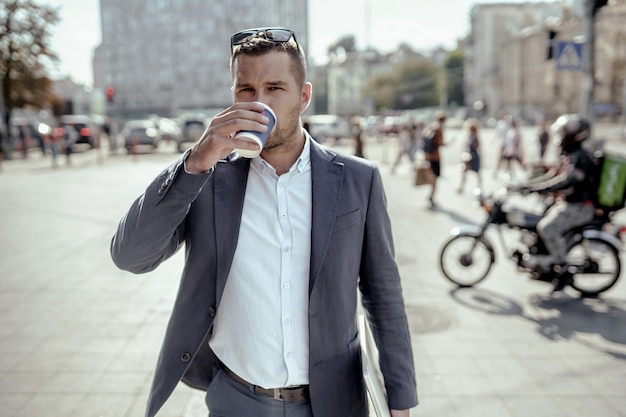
(617, 402)
(433, 405)
(430, 385)
(68, 382)
(41, 360)
(104, 405)
(88, 361)
(607, 384)
(480, 406)
(50, 405)
(476, 385)
(24, 382)
(502, 365)
(535, 406)
(122, 382)
(585, 406)
(512, 385)
(12, 403)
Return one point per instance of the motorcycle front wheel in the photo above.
(595, 264)
(466, 260)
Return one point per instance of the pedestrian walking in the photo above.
(543, 139)
(357, 134)
(512, 148)
(433, 155)
(471, 155)
(407, 145)
(502, 127)
(23, 134)
(276, 248)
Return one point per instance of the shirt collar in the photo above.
(301, 164)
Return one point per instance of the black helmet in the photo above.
(573, 130)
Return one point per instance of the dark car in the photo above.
(83, 126)
(191, 130)
(140, 132)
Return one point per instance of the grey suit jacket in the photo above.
(351, 246)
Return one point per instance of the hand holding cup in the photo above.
(259, 138)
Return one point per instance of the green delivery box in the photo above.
(612, 189)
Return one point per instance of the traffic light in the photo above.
(109, 92)
(597, 5)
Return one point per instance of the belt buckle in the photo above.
(278, 395)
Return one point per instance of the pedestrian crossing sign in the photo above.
(569, 56)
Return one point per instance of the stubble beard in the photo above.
(284, 135)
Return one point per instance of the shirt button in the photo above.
(284, 216)
(287, 322)
(286, 285)
(289, 354)
(286, 249)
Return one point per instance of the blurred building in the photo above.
(510, 59)
(77, 99)
(167, 57)
(347, 78)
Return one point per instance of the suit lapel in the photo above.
(229, 194)
(327, 180)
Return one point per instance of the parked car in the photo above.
(140, 132)
(83, 125)
(192, 128)
(169, 130)
(323, 127)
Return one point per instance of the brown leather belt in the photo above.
(288, 394)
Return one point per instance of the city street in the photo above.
(79, 338)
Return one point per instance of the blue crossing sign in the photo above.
(569, 56)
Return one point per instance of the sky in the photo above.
(422, 24)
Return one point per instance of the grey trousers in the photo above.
(226, 397)
(560, 218)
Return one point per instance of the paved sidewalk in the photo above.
(79, 338)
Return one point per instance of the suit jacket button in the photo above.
(211, 311)
(185, 357)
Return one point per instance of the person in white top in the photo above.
(512, 147)
(277, 248)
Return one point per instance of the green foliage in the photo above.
(454, 70)
(25, 31)
(411, 84)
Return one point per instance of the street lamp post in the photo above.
(587, 84)
(591, 8)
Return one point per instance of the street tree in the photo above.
(454, 72)
(410, 85)
(343, 45)
(25, 52)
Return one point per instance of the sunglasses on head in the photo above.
(271, 34)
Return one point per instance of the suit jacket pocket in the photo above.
(347, 220)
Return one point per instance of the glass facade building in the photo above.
(171, 56)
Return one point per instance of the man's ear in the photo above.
(307, 91)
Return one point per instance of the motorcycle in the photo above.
(593, 251)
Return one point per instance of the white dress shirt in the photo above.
(261, 328)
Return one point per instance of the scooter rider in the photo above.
(572, 182)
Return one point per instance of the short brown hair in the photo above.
(259, 46)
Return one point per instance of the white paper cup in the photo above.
(259, 138)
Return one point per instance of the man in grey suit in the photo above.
(276, 247)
